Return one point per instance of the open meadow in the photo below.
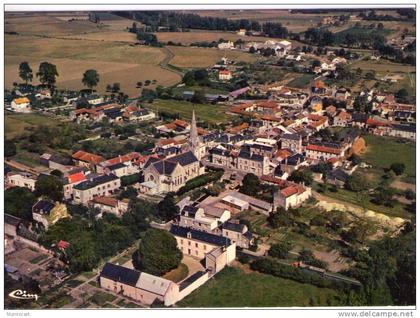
(212, 114)
(192, 57)
(256, 290)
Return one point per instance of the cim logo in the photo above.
(22, 294)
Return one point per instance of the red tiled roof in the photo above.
(239, 128)
(289, 191)
(267, 104)
(271, 179)
(128, 157)
(77, 177)
(88, 157)
(324, 149)
(283, 153)
(109, 201)
(63, 244)
(374, 122)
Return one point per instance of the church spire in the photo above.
(193, 134)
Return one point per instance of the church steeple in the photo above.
(193, 142)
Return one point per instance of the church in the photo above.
(170, 174)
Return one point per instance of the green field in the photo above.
(302, 81)
(234, 288)
(383, 151)
(16, 124)
(213, 114)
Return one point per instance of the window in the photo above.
(189, 242)
(204, 246)
(196, 244)
(182, 241)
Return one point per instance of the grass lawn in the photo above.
(234, 288)
(177, 274)
(301, 81)
(383, 67)
(213, 114)
(352, 197)
(383, 151)
(101, 298)
(15, 124)
(61, 301)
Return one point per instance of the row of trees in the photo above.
(176, 21)
(47, 74)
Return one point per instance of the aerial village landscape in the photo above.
(205, 159)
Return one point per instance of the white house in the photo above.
(21, 105)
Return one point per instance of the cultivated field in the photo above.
(383, 67)
(115, 61)
(191, 57)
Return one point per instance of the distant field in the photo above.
(234, 288)
(115, 62)
(16, 124)
(209, 36)
(383, 67)
(384, 151)
(213, 114)
(294, 22)
(107, 36)
(190, 57)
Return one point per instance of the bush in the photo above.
(200, 181)
(280, 250)
(130, 179)
(398, 168)
(273, 267)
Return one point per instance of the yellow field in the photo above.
(204, 57)
(115, 61)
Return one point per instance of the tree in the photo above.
(47, 73)
(250, 184)
(384, 196)
(356, 182)
(398, 168)
(280, 250)
(82, 253)
(198, 97)
(279, 218)
(302, 175)
(158, 252)
(9, 148)
(49, 186)
(18, 202)
(90, 78)
(25, 72)
(166, 209)
(56, 173)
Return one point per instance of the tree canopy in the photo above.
(18, 202)
(25, 72)
(158, 252)
(90, 78)
(250, 184)
(47, 73)
(49, 186)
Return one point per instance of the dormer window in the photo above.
(189, 235)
